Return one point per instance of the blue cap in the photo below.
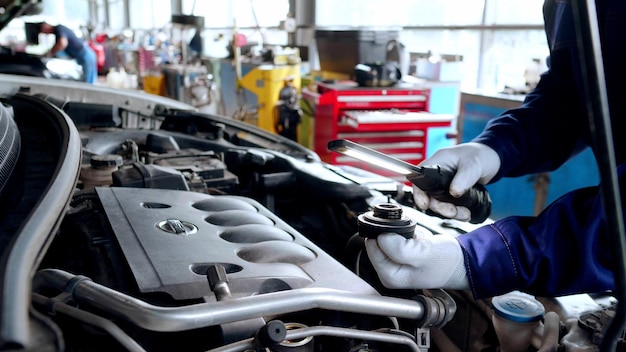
(518, 307)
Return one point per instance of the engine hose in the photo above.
(156, 318)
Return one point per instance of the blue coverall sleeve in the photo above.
(564, 250)
(551, 125)
(540, 135)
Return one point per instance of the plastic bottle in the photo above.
(515, 317)
(113, 79)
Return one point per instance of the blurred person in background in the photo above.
(66, 40)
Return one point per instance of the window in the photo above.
(220, 17)
(496, 38)
(155, 14)
(217, 14)
(248, 13)
(514, 12)
(398, 12)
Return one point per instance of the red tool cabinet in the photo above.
(394, 121)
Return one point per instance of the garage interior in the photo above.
(470, 62)
(403, 78)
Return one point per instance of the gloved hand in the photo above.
(473, 162)
(422, 262)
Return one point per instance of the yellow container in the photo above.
(154, 84)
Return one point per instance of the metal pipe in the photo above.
(156, 318)
(302, 333)
(587, 32)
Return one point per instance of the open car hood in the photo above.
(17, 8)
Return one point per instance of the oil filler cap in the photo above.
(518, 307)
(385, 217)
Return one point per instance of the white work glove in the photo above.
(473, 162)
(425, 261)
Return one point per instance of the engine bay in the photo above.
(187, 230)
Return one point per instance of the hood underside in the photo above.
(17, 8)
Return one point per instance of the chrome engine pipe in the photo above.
(86, 292)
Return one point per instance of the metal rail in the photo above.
(156, 318)
(587, 33)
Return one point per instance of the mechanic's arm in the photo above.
(59, 45)
(564, 250)
(547, 129)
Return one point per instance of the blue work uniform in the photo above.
(567, 248)
(79, 51)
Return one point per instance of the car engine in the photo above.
(187, 231)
